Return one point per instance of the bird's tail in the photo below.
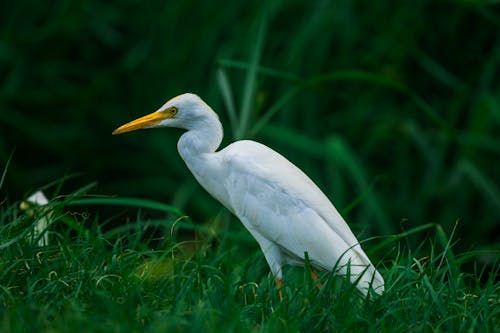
(356, 264)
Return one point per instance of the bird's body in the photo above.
(279, 204)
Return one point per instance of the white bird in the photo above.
(282, 208)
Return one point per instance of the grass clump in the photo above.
(151, 275)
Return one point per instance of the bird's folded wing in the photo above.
(256, 172)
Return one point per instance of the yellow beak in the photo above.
(144, 122)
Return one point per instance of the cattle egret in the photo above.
(282, 208)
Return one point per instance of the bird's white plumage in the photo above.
(281, 206)
(288, 214)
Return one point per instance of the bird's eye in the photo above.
(173, 110)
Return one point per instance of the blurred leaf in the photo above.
(487, 187)
(275, 108)
(295, 140)
(227, 96)
(344, 158)
(262, 70)
(439, 72)
(129, 202)
(250, 86)
(2, 179)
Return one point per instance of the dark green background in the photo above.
(394, 111)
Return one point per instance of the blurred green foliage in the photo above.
(392, 108)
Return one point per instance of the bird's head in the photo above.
(182, 111)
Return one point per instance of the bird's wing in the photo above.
(252, 159)
(277, 201)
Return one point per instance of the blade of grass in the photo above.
(262, 70)
(156, 223)
(227, 97)
(67, 198)
(275, 108)
(394, 238)
(250, 86)
(494, 106)
(481, 181)
(58, 183)
(361, 196)
(296, 140)
(426, 282)
(130, 202)
(447, 253)
(438, 71)
(338, 150)
(4, 173)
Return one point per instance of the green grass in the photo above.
(160, 272)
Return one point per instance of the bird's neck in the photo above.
(204, 138)
(197, 148)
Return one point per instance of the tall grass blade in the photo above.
(250, 86)
(361, 196)
(129, 202)
(451, 260)
(4, 173)
(227, 97)
(481, 181)
(439, 71)
(297, 140)
(395, 238)
(340, 152)
(262, 70)
(275, 108)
